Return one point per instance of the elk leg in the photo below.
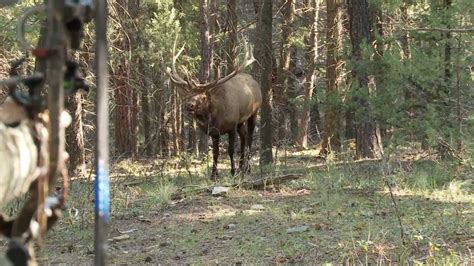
(243, 136)
(250, 128)
(215, 156)
(231, 151)
(251, 122)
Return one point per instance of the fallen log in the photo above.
(256, 183)
(260, 183)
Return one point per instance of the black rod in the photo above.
(102, 193)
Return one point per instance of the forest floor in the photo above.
(336, 213)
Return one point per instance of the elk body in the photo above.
(228, 105)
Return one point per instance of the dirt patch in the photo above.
(316, 219)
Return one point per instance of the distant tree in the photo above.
(175, 117)
(405, 36)
(312, 54)
(206, 56)
(124, 93)
(146, 112)
(231, 27)
(258, 46)
(75, 134)
(283, 83)
(334, 64)
(368, 138)
(266, 132)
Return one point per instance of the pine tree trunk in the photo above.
(125, 97)
(447, 78)
(266, 132)
(232, 23)
(447, 47)
(256, 68)
(316, 124)
(124, 122)
(163, 139)
(405, 37)
(334, 64)
(146, 121)
(175, 127)
(75, 134)
(312, 45)
(280, 88)
(378, 33)
(368, 138)
(145, 100)
(205, 70)
(292, 93)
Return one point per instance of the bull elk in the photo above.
(228, 105)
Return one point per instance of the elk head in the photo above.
(197, 95)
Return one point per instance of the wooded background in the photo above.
(342, 77)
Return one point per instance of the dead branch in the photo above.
(441, 30)
(257, 183)
(397, 212)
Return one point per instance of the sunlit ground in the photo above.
(338, 212)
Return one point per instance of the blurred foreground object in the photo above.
(4, 3)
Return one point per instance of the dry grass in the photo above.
(346, 207)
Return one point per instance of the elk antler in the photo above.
(172, 73)
(191, 83)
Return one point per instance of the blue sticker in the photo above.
(102, 191)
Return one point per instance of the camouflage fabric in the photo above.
(18, 156)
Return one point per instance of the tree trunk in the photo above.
(377, 37)
(175, 127)
(266, 156)
(231, 26)
(292, 93)
(146, 121)
(447, 78)
(447, 47)
(316, 125)
(405, 37)
(281, 92)
(256, 68)
(125, 96)
(368, 139)
(205, 69)
(75, 134)
(144, 79)
(334, 64)
(124, 122)
(349, 117)
(312, 45)
(404, 40)
(163, 139)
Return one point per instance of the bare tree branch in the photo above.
(441, 30)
